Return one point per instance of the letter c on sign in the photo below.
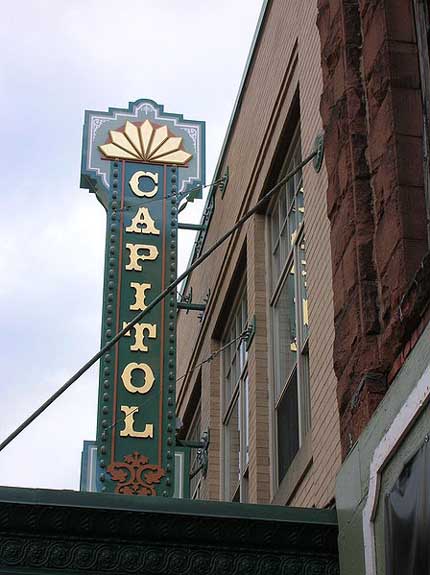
(134, 184)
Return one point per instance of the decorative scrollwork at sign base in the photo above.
(135, 475)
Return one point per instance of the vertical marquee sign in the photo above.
(140, 162)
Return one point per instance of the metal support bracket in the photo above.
(251, 332)
(186, 303)
(202, 447)
(205, 303)
(191, 306)
(223, 184)
(194, 227)
(319, 149)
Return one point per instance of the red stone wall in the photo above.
(372, 116)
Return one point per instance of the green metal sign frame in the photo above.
(140, 162)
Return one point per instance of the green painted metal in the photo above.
(188, 443)
(157, 406)
(192, 306)
(136, 408)
(51, 532)
(95, 171)
(223, 184)
(352, 483)
(251, 332)
(195, 227)
(319, 147)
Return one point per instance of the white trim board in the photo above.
(402, 423)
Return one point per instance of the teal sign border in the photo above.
(158, 405)
(150, 460)
(96, 172)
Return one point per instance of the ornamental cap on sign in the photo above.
(147, 142)
(143, 132)
(141, 163)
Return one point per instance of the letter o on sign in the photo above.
(148, 378)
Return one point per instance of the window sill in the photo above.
(295, 473)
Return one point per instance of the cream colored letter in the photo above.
(139, 295)
(139, 335)
(128, 430)
(134, 184)
(143, 219)
(152, 254)
(148, 378)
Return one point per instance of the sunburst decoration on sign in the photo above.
(145, 142)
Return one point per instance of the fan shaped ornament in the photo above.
(145, 142)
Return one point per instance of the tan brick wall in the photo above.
(287, 55)
(259, 411)
(324, 413)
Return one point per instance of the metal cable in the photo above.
(208, 359)
(181, 196)
(155, 302)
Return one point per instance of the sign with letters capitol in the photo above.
(140, 162)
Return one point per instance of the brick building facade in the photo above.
(328, 403)
(271, 408)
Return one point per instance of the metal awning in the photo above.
(50, 532)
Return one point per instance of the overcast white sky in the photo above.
(60, 57)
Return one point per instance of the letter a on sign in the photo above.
(142, 223)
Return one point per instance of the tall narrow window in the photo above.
(194, 434)
(289, 313)
(235, 401)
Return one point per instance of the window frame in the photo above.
(194, 434)
(237, 397)
(292, 261)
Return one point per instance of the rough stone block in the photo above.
(342, 228)
(410, 160)
(381, 128)
(405, 67)
(339, 291)
(407, 111)
(385, 178)
(400, 20)
(375, 35)
(412, 208)
(346, 332)
(369, 313)
(388, 233)
(414, 251)
(349, 267)
(378, 82)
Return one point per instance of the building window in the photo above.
(195, 434)
(407, 516)
(235, 402)
(289, 314)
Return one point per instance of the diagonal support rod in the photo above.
(154, 302)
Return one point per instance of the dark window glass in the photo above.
(288, 427)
